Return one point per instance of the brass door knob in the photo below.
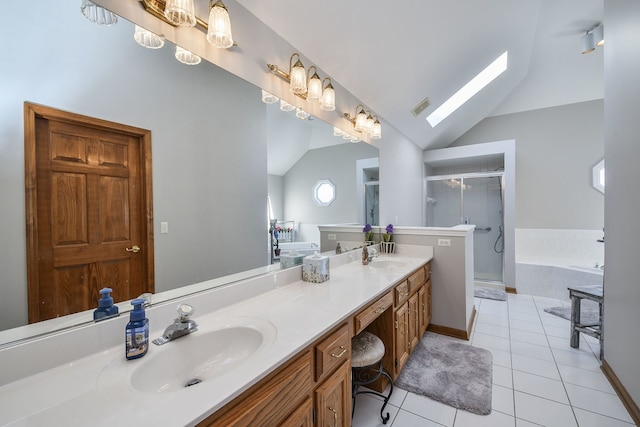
(135, 249)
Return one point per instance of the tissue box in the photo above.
(290, 259)
(315, 269)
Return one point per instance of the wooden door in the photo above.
(89, 211)
(333, 399)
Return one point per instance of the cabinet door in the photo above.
(422, 311)
(414, 326)
(333, 399)
(428, 309)
(402, 337)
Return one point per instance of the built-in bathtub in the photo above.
(551, 277)
(302, 248)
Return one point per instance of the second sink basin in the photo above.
(387, 263)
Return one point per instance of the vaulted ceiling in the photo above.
(392, 55)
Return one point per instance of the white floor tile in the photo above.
(405, 419)
(558, 331)
(523, 423)
(526, 317)
(564, 344)
(529, 337)
(500, 357)
(598, 402)
(542, 411)
(494, 419)
(532, 350)
(498, 331)
(502, 376)
(367, 412)
(523, 307)
(535, 366)
(552, 320)
(540, 386)
(577, 359)
(492, 341)
(585, 378)
(492, 319)
(526, 326)
(590, 419)
(429, 409)
(502, 399)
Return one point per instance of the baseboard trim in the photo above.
(621, 391)
(510, 290)
(452, 332)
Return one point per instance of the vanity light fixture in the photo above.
(219, 31)
(328, 99)
(301, 114)
(147, 39)
(285, 106)
(180, 12)
(314, 87)
(376, 130)
(269, 98)
(297, 76)
(363, 121)
(187, 57)
(97, 14)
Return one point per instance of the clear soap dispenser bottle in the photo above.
(105, 309)
(137, 332)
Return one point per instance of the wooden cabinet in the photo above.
(333, 399)
(401, 341)
(414, 325)
(372, 312)
(302, 417)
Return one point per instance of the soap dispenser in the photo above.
(137, 332)
(105, 309)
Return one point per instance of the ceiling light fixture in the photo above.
(219, 31)
(598, 35)
(474, 86)
(187, 57)
(180, 13)
(147, 39)
(97, 14)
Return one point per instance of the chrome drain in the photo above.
(193, 382)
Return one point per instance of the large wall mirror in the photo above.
(217, 151)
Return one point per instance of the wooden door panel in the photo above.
(92, 190)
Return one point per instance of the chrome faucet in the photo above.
(181, 326)
(372, 254)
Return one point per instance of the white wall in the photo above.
(209, 166)
(555, 151)
(622, 201)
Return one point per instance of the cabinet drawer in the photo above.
(416, 280)
(332, 351)
(401, 292)
(371, 313)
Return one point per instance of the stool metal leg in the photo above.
(367, 375)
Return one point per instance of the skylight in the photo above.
(485, 77)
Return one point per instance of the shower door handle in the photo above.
(483, 229)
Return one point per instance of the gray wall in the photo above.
(555, 151)
(209, 164)
(622, 203)
(337, 163)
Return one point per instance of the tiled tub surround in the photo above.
(55, 380)
(549, 260)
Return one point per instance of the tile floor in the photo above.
(538, 379)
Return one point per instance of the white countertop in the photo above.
(77, 394)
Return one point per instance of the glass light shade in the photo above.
(361, 121)
(369, 125)
(219, 32)
(376, 130)
(301, 114)
(147, 38)
(97, 14)
(346, 137)
(180, 12)
(337, 131)
(328, 100)
(187, 57)
(298, 78)
(355, 139)
(314, 91)
(268, 98)
(285, 106)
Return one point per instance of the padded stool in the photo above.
(367, 351)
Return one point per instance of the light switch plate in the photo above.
(164, 228)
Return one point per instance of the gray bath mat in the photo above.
(450, 372)
(588, 313)
(489, 293)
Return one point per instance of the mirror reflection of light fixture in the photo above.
(314, 88)
(285, 106)
(269, 98)
(219, 31)
(97, 14)
(301, 114)
(180, 13)
(147, 39)
(297, 76)
(328, 100)
(187, 57)
(363, 121)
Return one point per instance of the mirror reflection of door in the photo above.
(371, 196)
(89, 216)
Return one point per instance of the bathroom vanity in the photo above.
(285, 347)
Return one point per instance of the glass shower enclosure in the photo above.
(472, 198)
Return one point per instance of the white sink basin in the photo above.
(387, 263)
(191, 359)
